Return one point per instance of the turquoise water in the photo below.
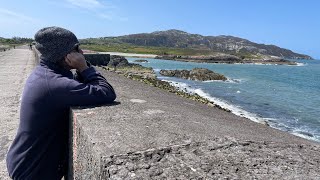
(284, 96)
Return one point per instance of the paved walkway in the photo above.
(15, 66)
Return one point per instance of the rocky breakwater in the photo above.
(230, 59)
(276, 61)
(218, 58)
(141, 61)
(197, 74)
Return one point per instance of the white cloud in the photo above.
(9, 16)
(105, 16)
(86, 4)
(111, 16)
(96, 8)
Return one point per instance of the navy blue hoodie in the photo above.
(39, 150)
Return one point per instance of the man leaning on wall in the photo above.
(39, 150)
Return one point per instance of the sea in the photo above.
(286, 97)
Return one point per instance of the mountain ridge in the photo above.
(232, 45)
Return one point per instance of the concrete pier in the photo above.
(15, 66)
(153, 134)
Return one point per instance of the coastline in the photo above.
(238, 111)
(220, 58)
(221, 104)
(224, 105)
(206, 60)
(130, 54)
(203, 97)
(229, 119)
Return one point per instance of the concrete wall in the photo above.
(36, 55)
(84, 162)
(98, 59)
(94, 59)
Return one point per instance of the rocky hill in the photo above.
(223, 44)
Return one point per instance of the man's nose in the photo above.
(80, 51)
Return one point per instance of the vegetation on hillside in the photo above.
(182, 43)
(127, 48)
(15, 41)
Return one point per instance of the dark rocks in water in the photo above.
(198, 74)
(118, 61)
(277, 61)
(141, 60)
(122, 66)
(228, 59)
(218, 58)
(203, 74)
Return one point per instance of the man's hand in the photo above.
(77, 61)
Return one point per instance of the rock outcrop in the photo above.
(218, 58)
(121, 66)
(228, 59)
(197, 74)
(141, 60)
(118, 61)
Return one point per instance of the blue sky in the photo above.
(291, 24)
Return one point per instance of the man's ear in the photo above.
(67, 60)
(67, 63)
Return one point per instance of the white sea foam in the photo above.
(208, 81)
(164, 77)
(234, 109)
(263, 64)
(227, 81)
(181, 86)
(304, 135)
(266, 64)
(235, 80)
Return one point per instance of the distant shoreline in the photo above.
(154, 56)
(235, 110)
(130, 54)
(221, 58)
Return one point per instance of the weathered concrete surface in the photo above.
(216, 159)
(153, 134)
(15, 66)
